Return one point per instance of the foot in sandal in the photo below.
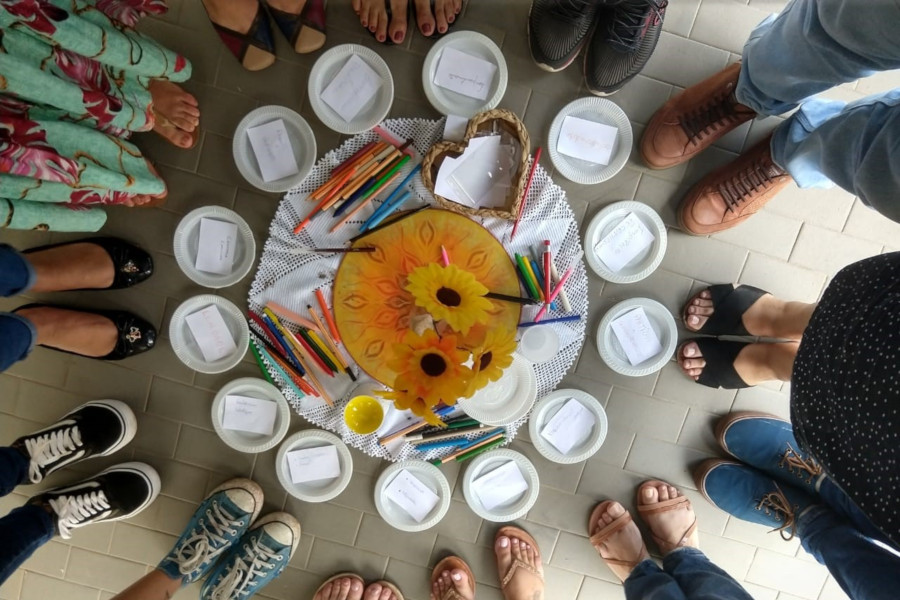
(519, 565)
(669, 515)
(346, 586)
(452, 580)
(176, 115)
(617, 538)
(733, 365)
(382, 590)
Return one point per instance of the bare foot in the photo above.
(755, 363)
(342, 588)
(457, 580)
(624, 549)
(373, 16)
(236, 15)
(377, 591)
(527, 581)
(71, 267)
(445, 12)
(175, 112)
(764, 318)
(84, 333)
(148, 200)
(673, 527)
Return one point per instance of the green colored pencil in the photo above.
(532, 291)
(321, 354)
(478, 451)
(262, 367)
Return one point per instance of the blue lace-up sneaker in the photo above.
(752, 495)
(767, 442)
(254, 561)
(220, 520)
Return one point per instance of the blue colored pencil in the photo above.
(356, 196)
(442, 444)
(481, 438)
(379, 211)
(399, 187)
(374, 220)
(273, 330)
(567, 319)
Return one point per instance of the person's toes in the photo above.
(381, 27)
(503, 550)
(663, 492)
(424, 17)
(397, 26)
(373, 592)
(357, 5)
(440, 15)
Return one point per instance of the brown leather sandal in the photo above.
(607, 532)
(448, 564)
(511, 531)
(681, 502)
(340, 576)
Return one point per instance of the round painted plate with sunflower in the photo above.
(374, 311)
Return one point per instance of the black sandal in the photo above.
(729, 305)
(719, 355)
(132, 265)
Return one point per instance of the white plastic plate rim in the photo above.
(520, 402)
(591, 238)
(580, 171)
(521, 507)
(419, 468)
(178, 331)
(539, 419)
(621, 365)
(314, 435)
(183, 254)
(264, 389)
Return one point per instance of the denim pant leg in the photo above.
(17, 338)
(838, 500)
(16, 273)
(700, 579)
(648, 582)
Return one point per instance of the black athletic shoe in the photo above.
(117, 493)
(97, 428)
(557, 29)
(625, 37)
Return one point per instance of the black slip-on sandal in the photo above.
(131, 264)
(719, 355)
(730, 302)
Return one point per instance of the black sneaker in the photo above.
(117, 493)
(625, 37)
(97, 428)
(557, 29)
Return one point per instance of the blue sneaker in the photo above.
(220, 520)
(255, 560)
(767, 442)
(751, 495)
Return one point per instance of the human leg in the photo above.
(699, 578)
(733, 365)
(19, 337)
(387, 19)
(23, 530)
(745, 310)
(16, 273)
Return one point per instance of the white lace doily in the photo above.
(290, 278)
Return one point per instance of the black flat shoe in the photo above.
(132, 265)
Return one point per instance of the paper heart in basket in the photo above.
(490, 182)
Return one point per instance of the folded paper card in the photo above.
(253, 415)
(211, 333)
(479, 177)
(569, 427)
(272, 149)
(215, 254)
(352, 88)
(465, 74)
(587, 140)
(410, 494)
(636, 335)
(624, 243)
(501, 486)
(314, 464)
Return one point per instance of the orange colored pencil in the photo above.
(337, 173)
(358, 181)
(301, 383)
(312, 376)
(364, 202)
(325, 201)
(290, 315)
(325, 336)
(328, 318)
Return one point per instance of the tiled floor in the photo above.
(660, 425)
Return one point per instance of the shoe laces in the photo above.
(778, 506)
(720, 110)
(256, 561)
(795, 463)
(73, 510)
(207, 539)
(47, 448)
(747, 182)
(572, 10)
(632, 20)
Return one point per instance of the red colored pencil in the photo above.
(537, 157)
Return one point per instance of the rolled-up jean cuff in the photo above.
(26, 336)
(18, 269)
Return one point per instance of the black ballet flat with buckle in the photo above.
(132, 265)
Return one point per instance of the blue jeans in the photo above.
(811, 46)
(26, 528)
(17, 334)
(686, 574)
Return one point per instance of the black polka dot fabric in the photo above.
(845, 388)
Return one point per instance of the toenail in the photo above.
(457, 577)
(688, 351)
(648, 493)
(355, 586)
(504, 542)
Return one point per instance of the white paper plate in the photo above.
(246, 441)
(506, 400)
(663, 324)
(642, 265)
(325, 70)
(599, 111)
(187, 350)
(314, 491)
(452, 103)
(548, 406)
(431, 477)
(515, 508)
(187, 242)
(303, 144)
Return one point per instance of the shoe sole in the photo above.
(730, 419)
(702, 471)
(149, 474)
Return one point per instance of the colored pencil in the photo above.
(363, 204)
(291, 372)
(401, 432)
(267, 334)
(276, 352)
(446, 434)
(562, 282)
(334, 348)
(323, 351)
(273, 333)
(365, 149)
(481, 450)
(539, 277)
(307, 345)
(353, 162)
(332, 327)
(386, 211)
(480, 443)
(321, 205)
(529, 285)
(568, 319)
(405, 215)
(290, 315)
(516, 299)
(487, 437)
(373, 166)
(442, 444)
(259, 362)
(534, 164)
(317, 385)
(445, 258)
(563, 297)
(343, 250)
(288, 335)
(529, 272)
(377, 185)
(288, 380)
(547, 262)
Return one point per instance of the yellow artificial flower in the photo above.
(491, 358)
(450, 294)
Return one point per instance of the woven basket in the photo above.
(505, 121)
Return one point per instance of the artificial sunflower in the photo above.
(491, 358)
(405, 401)
(429, 368)
(450, 294)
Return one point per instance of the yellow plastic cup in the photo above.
(363, 414)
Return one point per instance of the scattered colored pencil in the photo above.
(481, 450)
(363, 204)
(385, 211)
(364, 150)
(523, 272)
(401, 432)
(405, 215)
(562, 282)
(332, 327)
(516, 299)
(323, 204)
(445, 258)
(328, 339)
(343, 250)
(262, 367)
(288, 380)
(442, 444)
(547, 263)
(480, 443)
(534, 164)
(539, 277)
(382, 179)
(563, 297)
(307, 345)
(529, 272)
(568, 319)
(290, 315)
(445, 434)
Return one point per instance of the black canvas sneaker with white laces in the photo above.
(119, 492)
(557, 30)
(622, 43)
(97, 428)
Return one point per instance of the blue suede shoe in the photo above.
(752, 495)
(767, 443)
(220, 520)
(255, 560)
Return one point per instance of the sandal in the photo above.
(165, 122)
(681, 502)
(255, 50)
(131, 264)
(397, 593)
(729, 302)
(306, 31)
(515, 532)
(340, 576)
(719, 355)
(448, 564)
(607, 532)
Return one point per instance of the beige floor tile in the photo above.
(706, 259)
(766, 232)
(666, 461)
(790, 575)
(375, 535)
(828, 251)
(630, 412)
(759, 592)
(726, 24)
(39, 587)
(326, 521)
(101, 571)
(832, 591)
(12, 587)
(782, 279)
(326, 557)
(681, 390)
(50, 559)
(665, 64)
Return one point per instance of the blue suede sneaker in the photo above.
(752, 495)
(767, 442)
(220, 520)
(255, 560)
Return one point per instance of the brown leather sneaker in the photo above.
(694, 119)
(733, 193)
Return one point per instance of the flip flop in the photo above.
(680, 502)
(511, 531)
(340, 576)
(255, 50)
(397, 593)
(729, 302)
(165, 122)
(719, 355)
(306, 31)
(607, 532)
(448, 564)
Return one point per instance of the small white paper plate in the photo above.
(431, 477)
(663, 324)
(506, 400)
(548, 406)
(515, 508)
(598, 110)
(186, 348)
(303, 144)
(187, 242)
(246, 441)
(314, 491)
(642, 265)
(448, 102)
(324, 71)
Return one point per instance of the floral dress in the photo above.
(73, 86)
